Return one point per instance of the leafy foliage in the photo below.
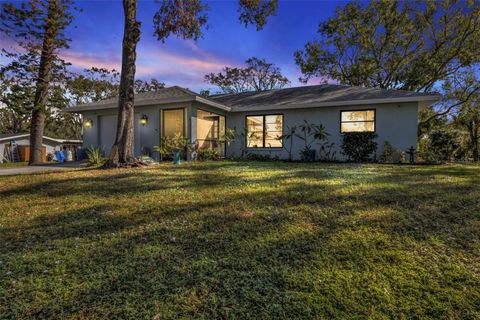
(39, 28)
(258, 75)
(95, 157)
(170, 145)
(359, 146)
(289, 135)
(390, 154)
(256, 12)
(327, 152)
(183, 18)
(309, 133)
(204, 154)
(441, 145)
(394, 44)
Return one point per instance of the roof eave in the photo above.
(93, 107)
(425, 99)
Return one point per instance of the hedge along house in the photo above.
(260, 118)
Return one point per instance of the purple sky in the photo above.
(97, 38)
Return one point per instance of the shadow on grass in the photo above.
(261, 241)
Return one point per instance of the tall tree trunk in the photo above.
(44, 76)
(474, 129)
(122, 149)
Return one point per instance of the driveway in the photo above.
(11, 171)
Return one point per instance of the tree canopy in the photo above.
(394, 44)
(258, 75)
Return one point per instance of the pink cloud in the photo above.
(86, 61)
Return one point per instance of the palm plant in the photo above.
(289, 135)
(310, 133)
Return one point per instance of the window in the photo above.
(211, 131)
(173, 122)
(357, 121)
(264, 131)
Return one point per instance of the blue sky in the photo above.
(98, 28)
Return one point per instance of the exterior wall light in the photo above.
(88, 123)
(144, 120)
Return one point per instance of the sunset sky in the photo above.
(97, 36)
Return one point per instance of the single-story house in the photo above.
(259, 118)
(20, 143)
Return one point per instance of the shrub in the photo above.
(388, 153)
(327, 152)
(95, 157)
(440, 146)
(169, 146)
(359, 146)
(207, 154)
(307, 154)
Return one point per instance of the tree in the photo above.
(394, 44)
(38, 26)
(183, 18)
(258, 75)
(16, 99)
(17, 94)
(465, 87)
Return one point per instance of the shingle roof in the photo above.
(317, 96)
(170, 92)
(164, 95)
(290, 98)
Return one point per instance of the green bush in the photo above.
(387, 154)
(440, 146)
(207, 154)
(169, 146)
(95, 157)
(359, 146)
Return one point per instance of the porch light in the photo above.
(144, 120)
(88, 123)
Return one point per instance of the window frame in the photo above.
(184, 129)
(264, 115)
(353, 110)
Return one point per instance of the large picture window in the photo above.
(173, 122)
(357, 121)
(264, 131)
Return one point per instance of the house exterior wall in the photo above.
(395, 123)
(102, 133)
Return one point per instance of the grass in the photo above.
(12, 164)
(242, 240)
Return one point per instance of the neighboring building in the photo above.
(20, 142)
(261, 116)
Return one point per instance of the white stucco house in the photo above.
(261, 116)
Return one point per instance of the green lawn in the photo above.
(242, 240)
(12, 164)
